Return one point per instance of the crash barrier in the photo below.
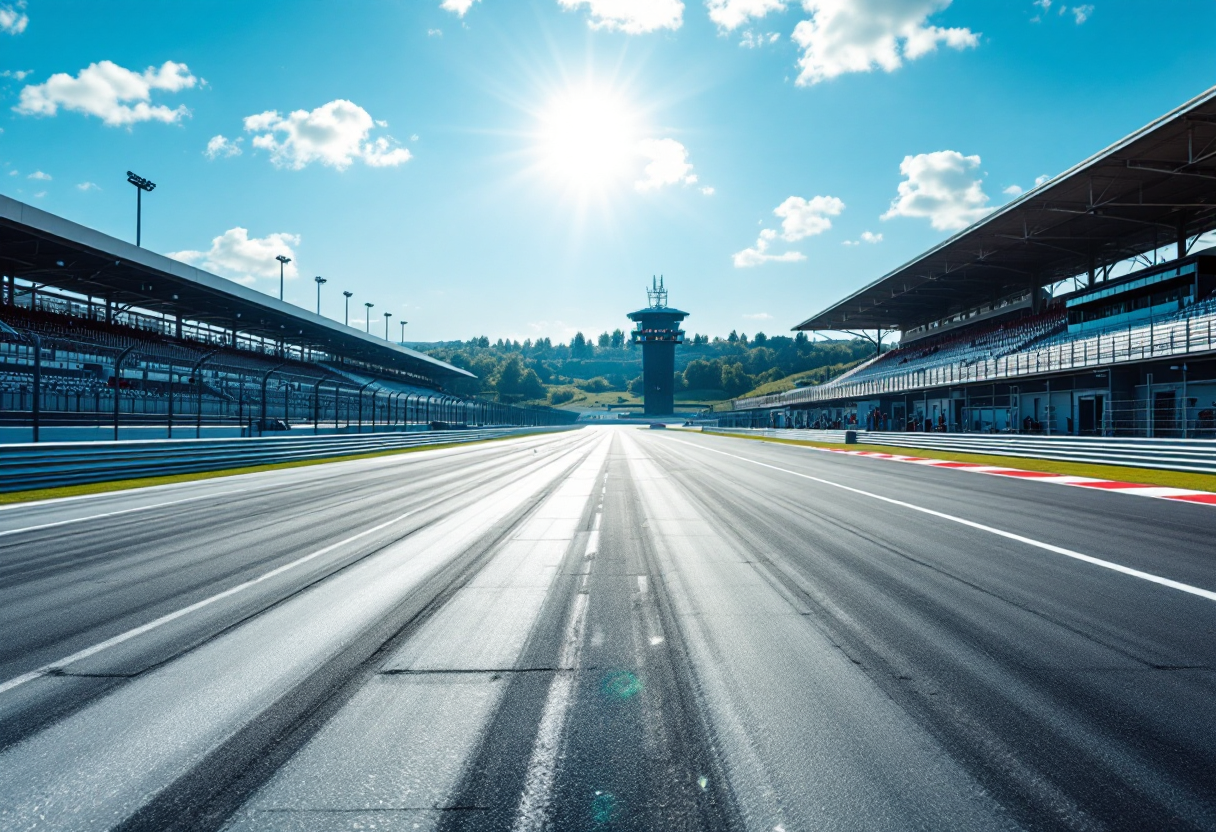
(55, 464)
(1193, 455)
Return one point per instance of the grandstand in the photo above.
(101, 339)
(1055, 314)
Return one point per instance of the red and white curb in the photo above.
(1184, 495)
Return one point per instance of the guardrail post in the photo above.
(316, 406)
(118, 384)
(265, 379)
(196, 374)
(169, 419)
(361, 389)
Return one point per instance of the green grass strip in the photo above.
(1097, 470)
(144, 482)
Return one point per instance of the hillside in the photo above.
(605, 373)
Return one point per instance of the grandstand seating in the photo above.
(78, 358)
(962, 346)
(1027, 345)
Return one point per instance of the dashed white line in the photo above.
(1029, 541)
(532, 815)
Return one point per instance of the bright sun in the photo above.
(587, 139)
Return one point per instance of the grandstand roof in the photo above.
(47, 249)
(1130, 198)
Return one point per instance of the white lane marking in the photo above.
(120, 511)
(198, 605)
(532, 815)
(642, 584)
(599, 515)
(542, 767)
(593, 542)
(1029, 541)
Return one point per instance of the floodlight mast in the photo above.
(348, 296)
(367, 322)
(403, 323)
(387, 315)
(320, 280)
(141, 185)
(283, 261)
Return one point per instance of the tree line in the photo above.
(716, 368)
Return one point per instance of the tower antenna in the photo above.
(657, 294)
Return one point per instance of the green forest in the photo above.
(605, 371)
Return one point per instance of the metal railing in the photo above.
(54, 464)
(1191, 455)
(1138, 342)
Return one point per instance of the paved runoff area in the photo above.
(611, 628)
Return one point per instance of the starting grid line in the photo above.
(1184, 495)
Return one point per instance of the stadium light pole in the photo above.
(320, 280)
(283, 261)
(141, 185)
(387, 315)
(367, 323)
(403, 323)
(346, 318)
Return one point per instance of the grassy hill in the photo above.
(606, 373)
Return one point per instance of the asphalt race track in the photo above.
(611, 628)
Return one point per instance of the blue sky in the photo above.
(520, 168)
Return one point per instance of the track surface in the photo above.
(613, 629)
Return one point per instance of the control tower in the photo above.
(658, 331)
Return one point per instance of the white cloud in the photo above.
(434, 33)
(941, 187)
(12, 19)
(844, 36)
(116, 95)
(867, 237)
(758, 254)
(1018, 190)
(634, 17)
(801, 218)
(1082, 13)
(17, 74)
(334, 134)
(731, 14)
(668, 164)
(457, 6)
(40, 195)
(46, 177)
(707, 190)
(758, 316)
(222, 146)
(88, 186)
(751, 40)
(237, 255)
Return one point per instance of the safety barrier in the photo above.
(54, 464)
(1192, 455)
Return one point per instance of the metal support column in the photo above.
(118, 384)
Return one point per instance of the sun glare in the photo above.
(587, 139)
